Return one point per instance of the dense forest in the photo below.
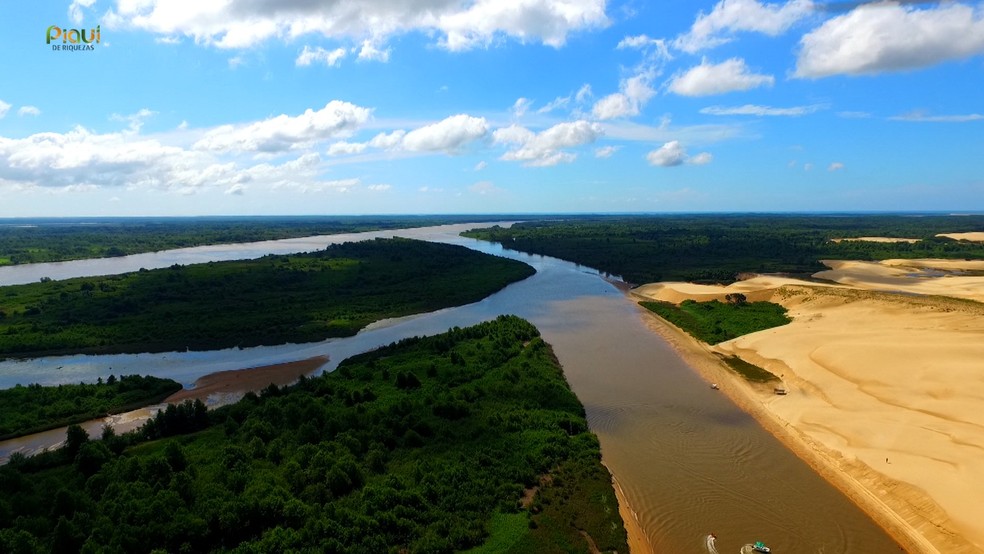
(718, 248)
(469, 439)
(31, 409)
(24, 241)
(272, 300)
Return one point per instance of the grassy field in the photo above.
(714, 321)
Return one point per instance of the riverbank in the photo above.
(637, 538)
(883, 398)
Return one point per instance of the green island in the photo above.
(34, 240)
(719, 248)
(33, 408)
(271, 300)
(715, 321)
(467, 440)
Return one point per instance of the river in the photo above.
(689, 461)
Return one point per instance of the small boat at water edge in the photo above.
(759, 546)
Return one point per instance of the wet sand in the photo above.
(220, 386)
(884, 400)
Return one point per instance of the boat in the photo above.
(714, 386)
(758, 546)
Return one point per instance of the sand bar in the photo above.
(885, 397)
(240, 381)
(955, 278)
(876, 239)
(977, 236)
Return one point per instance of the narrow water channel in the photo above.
(689, 461)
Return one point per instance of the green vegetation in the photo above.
(750, 372)
(31, 409)
(272, 300)
(426, 445)
(718, 248)
(24, 241)
(714, 321)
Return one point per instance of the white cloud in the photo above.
(673, 153)
(134, 121)
(731, 16)
(605, 151)
(449, 135)
(3, 108)
(556, 103)
(168, 40)
(545, 148)
(370, 51)
(638, 42)
(703, 158)
(236, 61)
(854, 115)
(388, 141)
(236, 189)
(283, 132)
(521, 106)
(922, 117)
(312, 55)
(728, 76)
(807, 167)
(886, 36)
(379, 188)
(481, 165)
(456, 24)
(752, 109)
(835, 166)
(28, 110)
(75, 10)
(343, 148)
(635, 93)
(583, 94)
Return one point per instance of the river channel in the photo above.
(689, 461)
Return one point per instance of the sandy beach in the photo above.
(876, 239)
(884, 389)
(973, 236)
(234, 383)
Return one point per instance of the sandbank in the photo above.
(885, 395)
(977, 236)
(955, 278)
(876, 239)
(638, 540)
(234, 383)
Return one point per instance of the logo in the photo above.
(72, 40)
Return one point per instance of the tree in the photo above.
(736, 299)
(75, 437)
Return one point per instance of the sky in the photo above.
(254, 107)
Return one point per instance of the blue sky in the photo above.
(479, 106)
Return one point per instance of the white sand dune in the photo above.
(885, 390)
(876, 239)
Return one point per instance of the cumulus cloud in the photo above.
(484, 188)
(310, 55)
(379, 187)
(875, 38)
(546, 147)
(634, 93)
(86, 161)
(583, 93)
(343, 148)
(752, 109)
(388, 141)
(457, 24)
(481, 165)
(283, 132)
(449, 135)
(835, 166)
(28, 110)
(4, 107)
(923, 117)
(673, 153)
(728, 76)
(75, 12)
(370, 51)
(731, 16)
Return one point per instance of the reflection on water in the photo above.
(689, 461)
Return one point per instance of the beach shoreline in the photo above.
(749, 398)
(225, 384)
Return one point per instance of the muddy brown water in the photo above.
(689, 461)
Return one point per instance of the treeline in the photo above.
(427, 445)
(717, 248)
(272, 300)
(715, 321)
(24, 241)
(33, 408)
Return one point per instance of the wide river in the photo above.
(689, 461)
